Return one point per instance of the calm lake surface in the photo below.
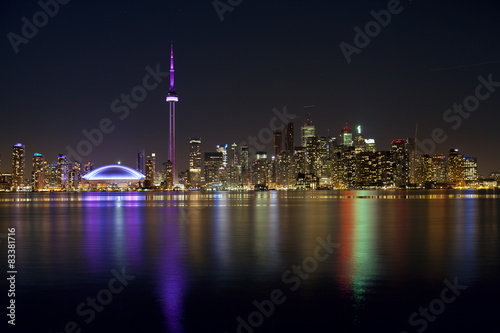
(205, 262)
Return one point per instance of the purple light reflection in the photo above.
(172, 275)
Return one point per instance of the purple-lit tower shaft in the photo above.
(172, 99)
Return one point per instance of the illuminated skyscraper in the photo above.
(346, 136)
(455, 166)
(213, 164)
(424, 169)
(233, 167)
(300, 160)
(284, 168)
(38, 172)
(440, 174)
(75, 176)
(152, 158)
(245, 165)
(401, 158)
(260, 169)
(195, 160)
(307, 130)
(51, 176)
(18, 162)
(150, 174)
(62, 171)
(222, 149)
(172, 98)
(470, 168)
(312, 155)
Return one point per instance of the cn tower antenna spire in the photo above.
(172, 88)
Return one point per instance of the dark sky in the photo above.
(230, 74)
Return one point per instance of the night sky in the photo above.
(230, 74)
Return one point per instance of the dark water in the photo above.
(196, 262)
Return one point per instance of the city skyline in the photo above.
(403, 77)
(347, 161)
(135, 157)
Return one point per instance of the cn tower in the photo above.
(172, 99)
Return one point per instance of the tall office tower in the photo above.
(370, 145)
(373, 169)
(346, 136)
(359, 142)
(245, 165)
(62, 171)
(89, 166)
(313, 162)
(260, 169)
(307, 130)
(455, 166)
(401, 159)
(365, 169)
(289, 138)
(18, 161)
(75, 175)
(46, 175)
(440, 172)
(195, 160)
(332, 143)
(384, 163)
(300, 160)
(324, 158)
(213, 163)
(152, 158)
(424, 169)
(150, 174)
(285, 169)
(222, 149)
(348, 167)
(169, 175)
(470, 168)
(38, 172)
(233, 157)
(234, 167)
(335, 168)
(53, 176)
(277, 142)
(172, 98)
(141, 161)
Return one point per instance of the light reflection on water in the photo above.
(180, 242)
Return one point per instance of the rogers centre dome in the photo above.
(113, 174)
